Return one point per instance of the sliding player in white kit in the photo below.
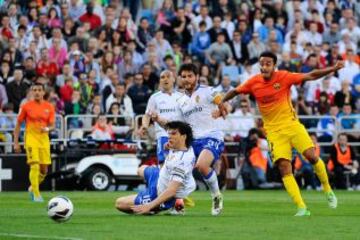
(173, 181)
(197, 106)
(163, 103)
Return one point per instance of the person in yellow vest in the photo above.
(343, 161)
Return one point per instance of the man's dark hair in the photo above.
(269, 55)
(189, 67)
(38, 84)
(183, 128)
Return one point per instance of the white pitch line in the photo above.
(36, 236)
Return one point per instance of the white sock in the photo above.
(212, 182)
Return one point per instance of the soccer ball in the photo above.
(60, 209)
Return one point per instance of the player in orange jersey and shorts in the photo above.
(39, 116)
(271, 89)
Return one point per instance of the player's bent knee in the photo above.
(140, 170)
(284, 166)
(120, 203)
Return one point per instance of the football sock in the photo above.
(293, 190)
(320, 171)
(34, 179)
(41, 177)
(212, 182)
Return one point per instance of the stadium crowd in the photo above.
(105, 57)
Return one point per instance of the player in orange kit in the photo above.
(39, 116)
(271, 89)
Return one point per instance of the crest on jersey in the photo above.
(276, 86)
(197, 99)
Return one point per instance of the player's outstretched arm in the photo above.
(224, 107)
(318, 73)
(163, 197)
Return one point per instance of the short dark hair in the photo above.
(183, 128)
(269, 55)
(189, 67)
(38, 84)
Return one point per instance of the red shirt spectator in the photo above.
(90, 17)
(45, 66)
(67, 90)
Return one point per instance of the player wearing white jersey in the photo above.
(174, 180)
(165, 104)
(197, 106)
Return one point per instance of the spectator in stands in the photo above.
(7, 122)
(180, 28)
(264, 31)
(201, 42)
(46, 67)
(77, 63)
(343, 161)
(74, 107)
(202, 17)
(66, 73)
(219, 52)
(344, 95)
(327, 126)
(240, 122)
(332, 35)
(5, 72)
(58, 52)
(139, 94)
(256, 153)
(245, 31)
(322, 106)
(120, 97)
(151, 79)
(96, 100)
(16, 56)
(3, 96)
(145, 34)
(348, 122)
(16, 89)
(286, 63)
(66, 91)
(53, 18)
(255, 48)
(239, 48)
(216, 29)
(91, 17)
(103, 131)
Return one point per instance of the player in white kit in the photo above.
(164, 103)
(173, 181)
(197, 106)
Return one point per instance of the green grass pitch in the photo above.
(247, 215)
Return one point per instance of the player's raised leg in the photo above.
(304, 144)
(321, 173)
(291, 186)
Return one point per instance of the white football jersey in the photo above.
(178, 167)
(166, 106)
(197, 111)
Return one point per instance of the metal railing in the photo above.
(85, 122)
(56, 136)
(65, 126)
